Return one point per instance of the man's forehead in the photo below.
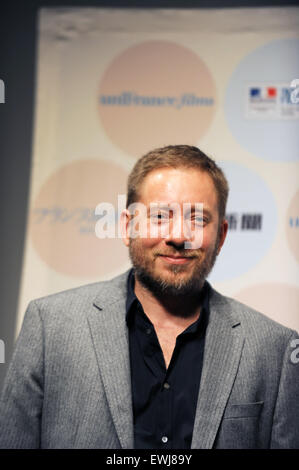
(170, 184)
(160, 176)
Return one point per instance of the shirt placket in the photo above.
(153, 356)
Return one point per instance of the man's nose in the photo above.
(179, 232)
(183, 235)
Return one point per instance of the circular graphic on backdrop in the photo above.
(252, 218)
(293, 226)
(278, 301)
(258, 104)
(62, 220)
(156, 93)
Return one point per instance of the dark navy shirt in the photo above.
(164, 401)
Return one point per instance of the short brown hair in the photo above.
(177, 156)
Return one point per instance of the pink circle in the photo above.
(293, 226)
(154, 94)
(278, 301)
(62, 220)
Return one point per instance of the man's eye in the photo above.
(159, 217)
(198, 220)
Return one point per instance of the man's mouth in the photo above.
(176, 259)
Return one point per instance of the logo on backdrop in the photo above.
(2, 92)
(261, 103)
(156, 92)
(244, 221)
(275, 101)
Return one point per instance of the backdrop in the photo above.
(113, 84)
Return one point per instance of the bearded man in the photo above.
(155, 358)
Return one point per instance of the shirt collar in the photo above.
(132, 300)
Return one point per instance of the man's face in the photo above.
(163, 264)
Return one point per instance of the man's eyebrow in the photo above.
(162, 206)
(203, 209)
(169, 206)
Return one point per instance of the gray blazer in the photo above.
(68, 384)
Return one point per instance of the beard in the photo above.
(181, 280)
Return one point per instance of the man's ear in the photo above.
(124, 226)
(222, 235)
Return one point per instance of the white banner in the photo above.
(113, 84)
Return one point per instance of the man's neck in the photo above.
(179, 311)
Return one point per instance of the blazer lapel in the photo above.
(110, 337)
(223, 347)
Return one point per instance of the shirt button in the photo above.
(148, 331)
(164, 439)
(166, 385)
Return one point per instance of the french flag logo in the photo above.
(263, 93)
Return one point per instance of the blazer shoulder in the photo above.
(251, 320)
(80, 298)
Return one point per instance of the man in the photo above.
(155, 358)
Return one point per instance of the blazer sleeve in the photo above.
(285, 429)
(22, 395)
